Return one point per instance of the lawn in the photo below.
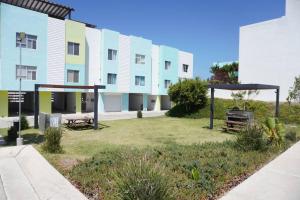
(176, 147)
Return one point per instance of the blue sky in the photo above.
(207, 28)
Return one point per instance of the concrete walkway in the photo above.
(278, 180)
(7, 122)
(25, 174)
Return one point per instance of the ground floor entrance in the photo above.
(79, 102)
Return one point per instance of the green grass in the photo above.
(139, 133)
(177, 145)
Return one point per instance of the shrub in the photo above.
(52, 140)
(291, 136)
(139, 114)
(12, 134)
(274, 130)
(24, 123)
(251, 139)
(140, 180)
(192, 94)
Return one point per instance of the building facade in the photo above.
(136, 72)
(270, 52)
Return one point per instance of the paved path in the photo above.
(25, 174)
(278, 180)
(8, 121)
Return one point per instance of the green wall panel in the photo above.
(75, 32)
(78, 102)
(45, 102)
(3, 103)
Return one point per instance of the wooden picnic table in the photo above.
(86, 120)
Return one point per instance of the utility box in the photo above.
(49, 120)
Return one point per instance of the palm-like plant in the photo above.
(274, 130)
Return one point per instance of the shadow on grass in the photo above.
(28, 138)
(86, 127)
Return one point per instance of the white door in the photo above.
(112, 103)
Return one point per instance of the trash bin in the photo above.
(49, 120)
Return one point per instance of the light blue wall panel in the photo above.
(101, 103)
(167, 54)
(143, 47)
(13, 20)
(110, 40)
(125, 102)
(145, 102)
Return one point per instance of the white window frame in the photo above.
(168, 65)
(140, 80)
(71, 78)
(30, 41)
(167, 84)
(140, 59)
(111, 79)
(183, 68)
(73, 48)
(112, 54)
(26, 72)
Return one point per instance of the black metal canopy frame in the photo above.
(44, 6)
(36, 99)
(240, 87)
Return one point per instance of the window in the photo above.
(26, 72)
(73, 48)
(185, 68)
(167, 83)
(139, 59)
(111, 79)
(28, 42)
(140, 80)
(73, 76)
(167, 65)
(112, 54)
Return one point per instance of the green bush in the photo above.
(274, 130)
(289, 114)
(251, 139)
(24, 123)
(141, 180)
(139, 114)
(12, 134)
(191, 94)
(291, 136)
(52, 140)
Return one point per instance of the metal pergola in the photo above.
(240, 87)
(43, 6)
(36, 99)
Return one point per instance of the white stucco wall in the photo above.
(124, 64)
(270, 52)
(155, 69)
(56, 51)
(187, 59)
(93, 52)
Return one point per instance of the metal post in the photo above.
(212, 107)
(277, 102)
(36, 106)
(19, 139)
(96, 96)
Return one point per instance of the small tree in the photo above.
(294, 92)
(191, 93)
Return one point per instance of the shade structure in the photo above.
(96, 89)
(240, 87)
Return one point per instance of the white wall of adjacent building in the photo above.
(124, 64)
(270, 52)
(56, 51)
